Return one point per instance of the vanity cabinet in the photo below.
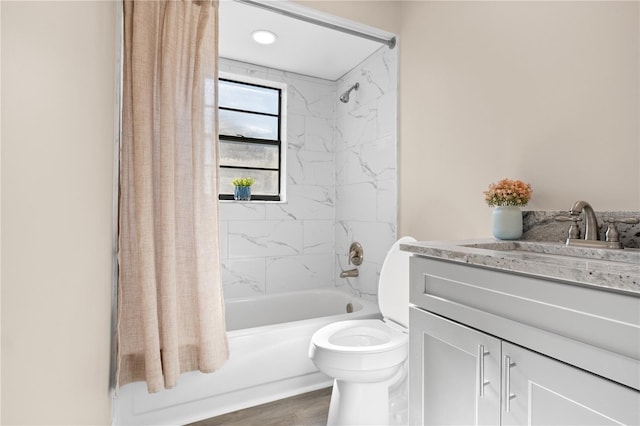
(492, 348)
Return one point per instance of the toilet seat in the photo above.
(359, 350)
(359, 336)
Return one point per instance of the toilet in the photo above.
(368, 358)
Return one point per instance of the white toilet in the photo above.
(368, 358)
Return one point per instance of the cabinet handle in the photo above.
(507, 395)
(480, 368)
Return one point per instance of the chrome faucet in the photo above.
(590, 221)
(591, 236)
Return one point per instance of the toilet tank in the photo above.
(393, 287)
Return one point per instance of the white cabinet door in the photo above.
(544, 391)
(454, 373)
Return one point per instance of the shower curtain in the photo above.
(170, 307)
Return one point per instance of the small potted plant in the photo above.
(242, 191)
(507, 196)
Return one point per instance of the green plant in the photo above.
(243, 181)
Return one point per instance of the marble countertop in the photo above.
(606, 269)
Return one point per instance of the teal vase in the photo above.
(507, 223)
(242, 193)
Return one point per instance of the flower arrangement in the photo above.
(243, 181)
(508, 192)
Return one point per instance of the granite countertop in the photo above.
(606, 269)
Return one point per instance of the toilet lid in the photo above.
(393, 287)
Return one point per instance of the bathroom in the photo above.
(546, 92)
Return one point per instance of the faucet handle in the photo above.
(573, 219)
(612, 233)
(574, 231)
(627, 220)
(356, 254)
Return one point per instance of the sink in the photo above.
(558, 249)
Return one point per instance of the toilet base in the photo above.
(359, 404)
(377, 403)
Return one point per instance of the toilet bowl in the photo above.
(367, 358)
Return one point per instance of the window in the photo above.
(250, 133)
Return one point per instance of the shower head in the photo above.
(344, 98)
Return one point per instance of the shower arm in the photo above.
(344, 98)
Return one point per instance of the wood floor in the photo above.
(308, 409)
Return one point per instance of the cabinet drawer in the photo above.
(578, 325)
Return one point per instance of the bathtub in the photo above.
(268, 342)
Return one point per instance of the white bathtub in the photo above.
(268, 341)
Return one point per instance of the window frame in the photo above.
(280, 142)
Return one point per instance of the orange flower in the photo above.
(508, 192)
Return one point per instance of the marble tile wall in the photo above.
(273, 247)
(366, 169)
(341, 187)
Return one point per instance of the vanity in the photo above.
(518, 332)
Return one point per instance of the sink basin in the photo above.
(558, 249)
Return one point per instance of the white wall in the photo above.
(57, 135)
(547, 92)
(381, 14)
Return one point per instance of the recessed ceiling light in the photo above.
(264, 37)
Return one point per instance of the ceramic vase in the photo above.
(242, 193)
(507, 223)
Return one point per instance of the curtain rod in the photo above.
(390, 42)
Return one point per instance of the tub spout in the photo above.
(351, 273)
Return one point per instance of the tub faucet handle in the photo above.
(356, 254)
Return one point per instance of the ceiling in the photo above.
(301, 47)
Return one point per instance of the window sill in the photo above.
(253, 202)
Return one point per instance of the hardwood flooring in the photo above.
(308, 409)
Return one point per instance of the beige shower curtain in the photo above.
(170, 308)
